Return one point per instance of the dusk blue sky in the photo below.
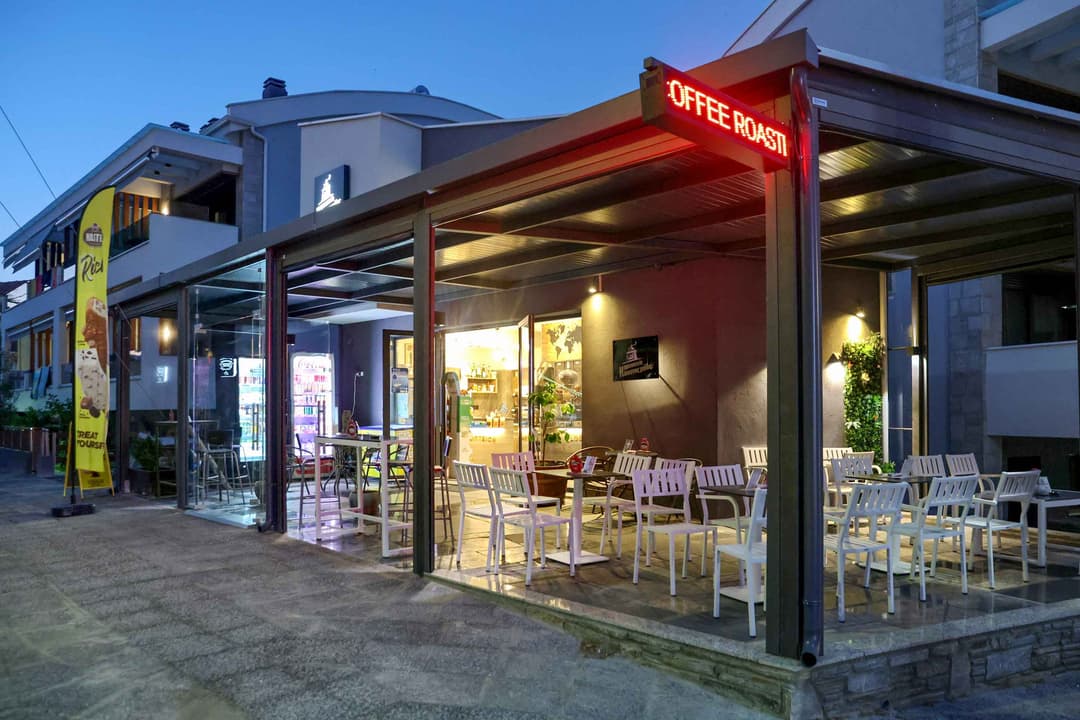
(78, 78)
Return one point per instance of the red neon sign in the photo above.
(683, 106)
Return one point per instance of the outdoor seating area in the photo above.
(709, 575)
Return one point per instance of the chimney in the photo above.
(208, 123)
(273, 87)
(183, 127)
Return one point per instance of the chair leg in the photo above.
(869, 562)
(751, 596)
(618, 541)
(530, 543)
(637, 551)
(990, 555)
(922, 573)
(963, 566)
(558, 513)
(604, 525)
(671, 562)
(705, 551)
(841, 563)
(889, 580)
(570, 539)
(461, 536)
(716, 584)
(649, 544)
(543, 551)
(686, 554)
(1023, 549)
(933, 561)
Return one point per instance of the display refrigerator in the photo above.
(313, 410)
(252, 401)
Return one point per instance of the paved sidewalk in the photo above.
(142, 611)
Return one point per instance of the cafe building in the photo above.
(675, 268)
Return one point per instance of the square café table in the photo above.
(581, 557)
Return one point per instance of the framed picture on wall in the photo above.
(636, 358)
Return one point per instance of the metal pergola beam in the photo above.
(1057, 220)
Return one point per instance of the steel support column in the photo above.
(184, 368)
(920, 399)
(423, 398)
(277, 362)
(123, 399)
(793, 272)
(1076, 264)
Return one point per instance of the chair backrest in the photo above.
(945, 493)
(720, 476)
(511, 485)
(842, 467)
(627, 463)
(727, 476)
(964, 464)
(668, 482)
(524, 461)
(754, 456)
(831, 453)
(472, 476)
(758, 517)
(905, 467)
(928, 465)
(874, 500)
(686, 465)
(867, 455)
(1017, 487)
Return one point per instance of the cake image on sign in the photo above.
(95, 383)
(94, 236)
(96, 329)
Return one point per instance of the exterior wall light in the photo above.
(597, 285)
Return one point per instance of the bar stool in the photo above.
(443, 510)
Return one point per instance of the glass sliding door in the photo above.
(227, 395)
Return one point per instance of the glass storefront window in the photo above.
(227, 386)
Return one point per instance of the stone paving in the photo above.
(142, 611)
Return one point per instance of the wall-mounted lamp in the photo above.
(597, 285)
(834, 359)
(860, 311)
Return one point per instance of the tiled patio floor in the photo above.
(607, 588)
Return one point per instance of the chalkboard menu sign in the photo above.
(636, 358)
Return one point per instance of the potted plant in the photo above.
(144, 465)
(547, 410)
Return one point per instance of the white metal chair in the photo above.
(928, 465)
(752, 554)
(649, 486)
(719, 476)
(755, 457)
(615, 506)
(867, 455)
(687, 465)
(472, 476)
(1015, 487)
(526, 462)
(870, 502)
(512, 488)
(841, 487)
(929, 521)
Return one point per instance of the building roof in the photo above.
(147, 150)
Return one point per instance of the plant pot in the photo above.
(141, 481)
(550, 486)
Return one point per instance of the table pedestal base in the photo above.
(583, 558)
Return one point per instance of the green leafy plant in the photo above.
(862, 394)
(144, 451)
(544, 401)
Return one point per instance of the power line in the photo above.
(10, 215)
(40, 174)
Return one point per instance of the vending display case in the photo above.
(313, 408)
(252, 411)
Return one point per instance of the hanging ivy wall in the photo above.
(862, 394)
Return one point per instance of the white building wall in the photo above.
(377, 148)
(908, 36)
